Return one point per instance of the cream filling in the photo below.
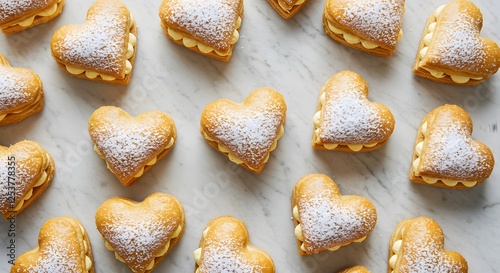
(4, 115)
(197, 252)
(161, 253)
(333, 146)
(197, 256)
(235, 158)
(88, 261)
(287, 8)
(353, 39)
(433, 180)
(396, 248)
(45, 13)
(300, 236)
(29, 194)
(188, 42)
(91, 74)
(427, 41)
(141, 171)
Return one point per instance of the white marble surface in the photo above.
(295, 57)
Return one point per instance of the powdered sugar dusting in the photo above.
(101, 43)
(424, 253)
(136, 236)
(326, 223)
(458, 42)
(348, 117)
(27, 165)
(56, 254)
(429, 259)
(451, 152)
(14, 89)
(248, 132)
(127, 144)
(378, 20)
(10, 9)
(210, 21)
(220, 258)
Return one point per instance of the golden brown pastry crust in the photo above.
(119, 23)
(9, 24)
(373, 122)
(31, 161)
(248, 131)
(422, 248)
(128, 144)
(63, 245)
(382, 27)
(21, 92)
(448, 139)
(122, 222)
(355, 269)
(200, 28)
(480, 56)
(317, 194)
(228, 237)
(292, 7)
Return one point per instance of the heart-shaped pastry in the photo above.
(417, 245)
(141, 233)
(18, 15)
(355, 269)
(21, 93)
(445, 154)
(208, 27)
(327, 220)
(63, 246)
(103, 49)
(372, 26)
(287, 8)
(452, 49)
(246, 132)
(346, 120)
(131, 146)
(26, 170)
(225, 247)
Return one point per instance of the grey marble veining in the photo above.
(294, 57)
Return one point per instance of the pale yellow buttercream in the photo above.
(189, 42)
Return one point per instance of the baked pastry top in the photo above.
(417, 245)
(372, 26)
(327, 220)
(445, 154)
(452, 49)
(102, 49)
(26, 170)
(246, 132)
(346, 120)
(225, 247)
(63, 246)
(21, 93)
(208, 27)
(141, 233)
(131, 145)
(18, 15)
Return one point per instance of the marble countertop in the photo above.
(295, 57)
